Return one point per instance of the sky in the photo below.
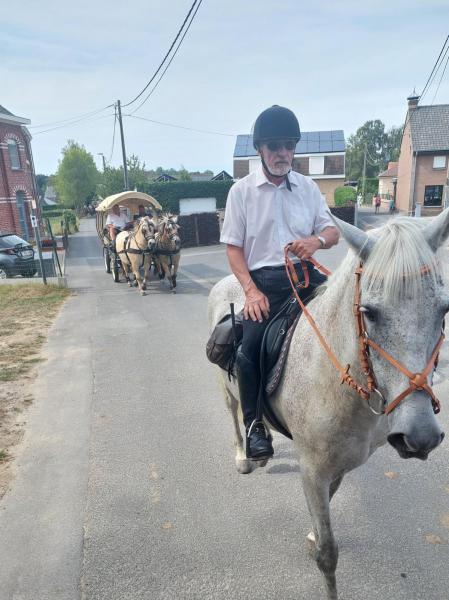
(336, 64)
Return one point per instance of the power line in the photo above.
(113, 135)
(73, 123)
(423, 93)
(441, 79)
(181, 126)
(169, 63)
(167, 54)
(77, 118)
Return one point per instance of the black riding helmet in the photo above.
(275, 123)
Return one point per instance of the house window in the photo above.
(433, 195)
(439, 162)
(21, 207)
(14, 157)
(316, 165)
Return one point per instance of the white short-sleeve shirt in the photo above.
(116, 220)
(262, 218)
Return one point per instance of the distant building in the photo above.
(16, 174)
(165, 177)
(423, 167)
(318, 154)
(387, 180)
(201, 176)
(222, 176)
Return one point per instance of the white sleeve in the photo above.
(108, 220)
(322, 214)
(234, 227)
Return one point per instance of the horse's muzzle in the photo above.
(417, 445)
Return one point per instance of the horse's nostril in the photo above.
(442, 436)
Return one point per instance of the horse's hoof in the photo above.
(143, 293)
(130, 284)
(244, 466)
(144, 287)
(311, 544)
(135, 284)
(261, 463)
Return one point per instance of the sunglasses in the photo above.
(276, 145)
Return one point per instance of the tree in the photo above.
(77, 176)
(41, 184)
(381, 147)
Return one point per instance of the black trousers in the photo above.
(274, 283)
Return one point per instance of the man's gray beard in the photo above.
(281, 170)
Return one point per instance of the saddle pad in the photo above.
(274, 376)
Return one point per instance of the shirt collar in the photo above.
(261, 178)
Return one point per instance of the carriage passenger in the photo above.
(266, 210)
(115, 222)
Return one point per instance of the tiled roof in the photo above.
(311, 142)
(392, 170)
(430, 128)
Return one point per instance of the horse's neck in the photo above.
(333, 314)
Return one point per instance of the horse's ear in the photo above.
(438, 230)
(359, 241)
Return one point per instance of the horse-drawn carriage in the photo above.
(150, 238)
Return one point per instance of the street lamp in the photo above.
(104, 160)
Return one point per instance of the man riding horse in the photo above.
(266, 210)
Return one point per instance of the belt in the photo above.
(275, 268)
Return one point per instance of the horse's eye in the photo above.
(369, 312)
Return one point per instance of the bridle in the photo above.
(417, 381)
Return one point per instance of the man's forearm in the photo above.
(331, 235)
(239, 267)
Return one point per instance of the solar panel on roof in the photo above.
(325, 146)
(325, 136)
(313, 146)
(314, 136)
(338, 146)
(338, 136)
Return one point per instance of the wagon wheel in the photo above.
(107, 259)
(116, 270)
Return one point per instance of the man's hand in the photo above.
(304, 248)
(256, 304)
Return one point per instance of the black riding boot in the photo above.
(258, 443)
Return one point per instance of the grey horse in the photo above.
(334, 430)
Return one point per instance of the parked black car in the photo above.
(16, 256)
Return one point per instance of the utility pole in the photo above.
(125, 167)
(364, 176)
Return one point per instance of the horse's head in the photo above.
(147, 229)
(403, 302)
(169, 230)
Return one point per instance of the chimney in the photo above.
(413, 100)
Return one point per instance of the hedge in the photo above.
(170, 193)
(345, 194)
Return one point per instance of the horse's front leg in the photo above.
(137, 275)
(317, 490)
(166, 267)
(146, 269)
(176, 259)
(126, 270)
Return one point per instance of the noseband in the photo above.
(417, 381)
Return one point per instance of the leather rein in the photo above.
(417, 381)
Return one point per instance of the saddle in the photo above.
(225, 341)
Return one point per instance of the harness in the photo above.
(417, 381)
(128, 250)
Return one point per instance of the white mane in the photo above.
(401, 262)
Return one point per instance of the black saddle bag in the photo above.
(222, 343)
(275, 333)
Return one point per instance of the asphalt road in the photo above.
(126, 487)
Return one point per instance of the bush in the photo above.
(168, 194)
(343, 195)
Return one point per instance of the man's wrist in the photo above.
(321, 241)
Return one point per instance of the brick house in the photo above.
(388, 180)
(17, 186)
(423, 161)
(318, 154)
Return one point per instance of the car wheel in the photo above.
(115, 271)
(3, 273)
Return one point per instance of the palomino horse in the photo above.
(134, 247)
(400, 307)
(167, 249)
